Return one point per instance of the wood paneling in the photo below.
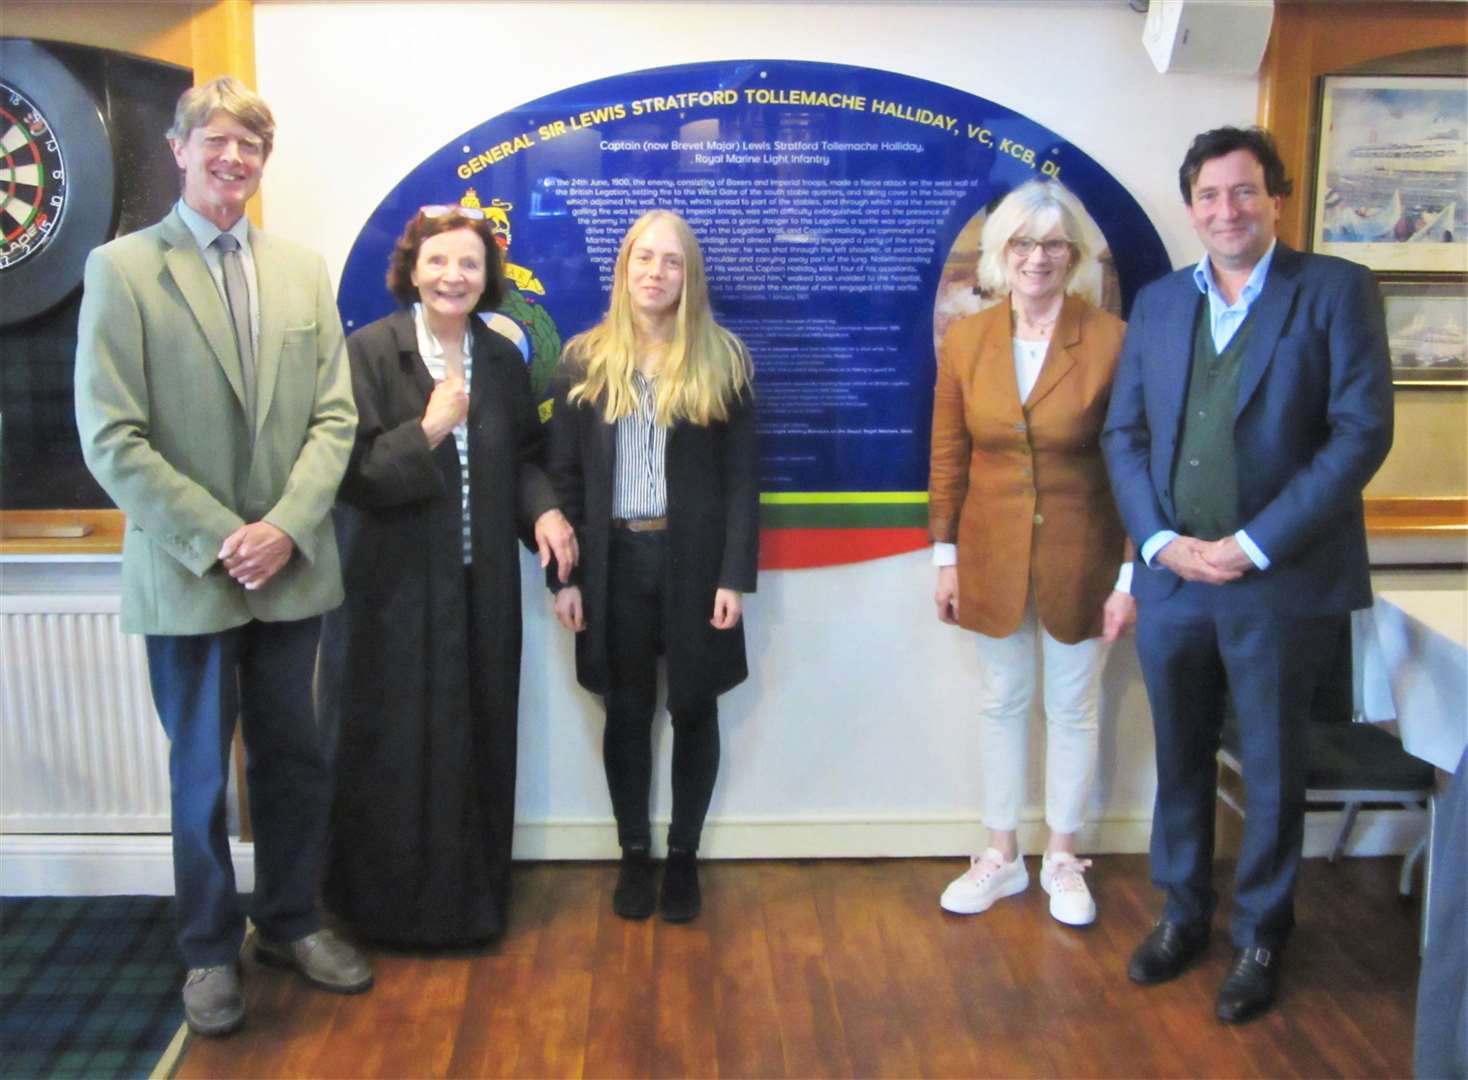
(1311, 39)
(24, 532)
(1416, 517)
(157, 31)
(223, 36)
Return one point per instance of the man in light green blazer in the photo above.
(215, 407)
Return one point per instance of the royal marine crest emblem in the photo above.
(521, 317)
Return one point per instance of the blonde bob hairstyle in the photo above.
(1032, 209)
(706, 368)
(228, 95)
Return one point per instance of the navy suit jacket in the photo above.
(1312, 423)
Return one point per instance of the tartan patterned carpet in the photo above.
(89, 985)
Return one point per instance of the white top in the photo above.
(1029, 358)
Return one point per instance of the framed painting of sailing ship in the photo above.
(1391, 169)
(1425, 329)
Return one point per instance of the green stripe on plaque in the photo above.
(784, 498)
(844, 510)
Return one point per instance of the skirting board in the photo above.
(50, 865)
(43, 865)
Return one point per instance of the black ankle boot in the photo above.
(680, 899)
(636, 892)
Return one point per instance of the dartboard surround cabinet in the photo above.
(57, 180)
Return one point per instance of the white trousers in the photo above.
(1072, 687)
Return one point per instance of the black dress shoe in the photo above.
(1166, 951)
(681, 898)
(1248, 989)
(636, 894)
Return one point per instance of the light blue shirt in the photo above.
(1224, 320)
(204, 233)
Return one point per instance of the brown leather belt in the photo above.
(657, 524)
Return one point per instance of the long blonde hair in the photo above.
(706, 368)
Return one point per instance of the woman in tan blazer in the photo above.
(1031, 553)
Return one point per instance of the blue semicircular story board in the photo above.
(839, 211)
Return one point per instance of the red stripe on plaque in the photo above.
(804, 549)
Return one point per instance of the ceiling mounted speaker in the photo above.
(1220, 37)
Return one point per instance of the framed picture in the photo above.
(1391, 171)
(1425, 323)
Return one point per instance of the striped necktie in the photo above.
(237, 295)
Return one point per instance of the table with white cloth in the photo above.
(1410, 652)
(1410, 664)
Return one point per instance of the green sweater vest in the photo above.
(1205, 485)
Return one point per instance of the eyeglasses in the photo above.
(1024, 245)
(471, 212)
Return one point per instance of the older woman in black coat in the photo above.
(421, 665)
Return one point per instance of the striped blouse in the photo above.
(640, 487)
(432, 353)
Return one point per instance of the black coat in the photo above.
(420, 679)
(713, 536)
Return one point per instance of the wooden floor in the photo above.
(846, 968)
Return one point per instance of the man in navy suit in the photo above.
(1252, 404)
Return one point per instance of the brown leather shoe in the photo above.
(322, 959)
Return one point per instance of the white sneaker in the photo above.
(1061, 875)
(988, 878)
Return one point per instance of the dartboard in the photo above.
(56, 179)
(32, 178)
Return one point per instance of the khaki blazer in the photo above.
(1021, 487)
(160, 411)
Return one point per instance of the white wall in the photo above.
(854, 733)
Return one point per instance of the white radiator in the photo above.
(81, 750)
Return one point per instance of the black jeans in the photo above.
(636, 591)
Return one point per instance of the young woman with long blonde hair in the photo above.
(654, 458)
